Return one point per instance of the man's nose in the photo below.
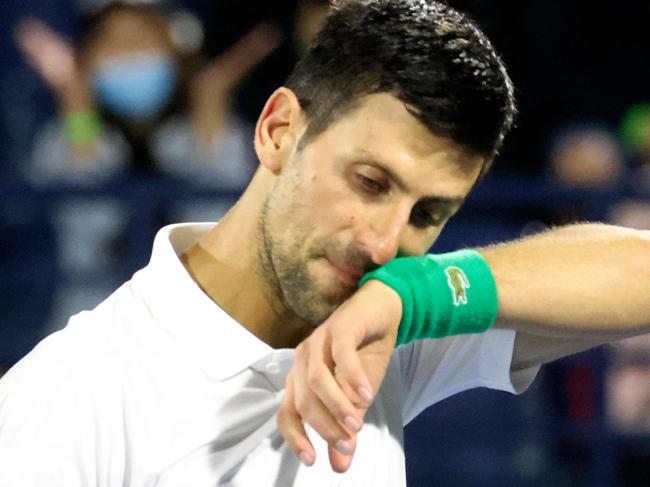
(381, 236)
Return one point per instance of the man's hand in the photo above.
(337, 370)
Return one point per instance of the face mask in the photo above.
(135, 87)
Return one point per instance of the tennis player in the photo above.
(376, 140)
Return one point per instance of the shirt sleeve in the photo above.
(433, 370)
(51, 404)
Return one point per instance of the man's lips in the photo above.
(348, 274)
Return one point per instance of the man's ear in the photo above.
(278, 129)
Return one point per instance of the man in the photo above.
(377, 139)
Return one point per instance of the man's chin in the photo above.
(320, 296)
(319, 309)
(332, 302)
(336, 293)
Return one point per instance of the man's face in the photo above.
(375, 183)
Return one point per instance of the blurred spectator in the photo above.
(628, 408)
(308, 19)
(635, 133)
(586, 156)
(585, 159)
(131, 96)
(633, 213)
(629, 375)
(628, 391)
(589, 156)
(134, 98)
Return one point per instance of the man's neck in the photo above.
(226, 264)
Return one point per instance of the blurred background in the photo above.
(116, 119)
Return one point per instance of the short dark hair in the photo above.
(428, 55)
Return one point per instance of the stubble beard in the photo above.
(288, 276)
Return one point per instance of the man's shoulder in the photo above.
(93, 343)
(72, 355)
(63, 402)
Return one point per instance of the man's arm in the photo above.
(581, 281)
(563, 291)
(571, 288)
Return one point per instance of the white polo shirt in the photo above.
(158, 386)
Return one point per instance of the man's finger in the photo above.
(340, 462)
(312, 411)
(291, 426)
(360, 357)
(322, 383)
(349, 371)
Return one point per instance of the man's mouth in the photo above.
(348, 274)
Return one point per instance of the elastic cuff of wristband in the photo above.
(442, 295)
(82, 128)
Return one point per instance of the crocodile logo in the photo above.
(458, 283)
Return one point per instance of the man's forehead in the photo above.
(433, 189)
(381, 131)
(385, 112)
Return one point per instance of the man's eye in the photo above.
(370, 185)
(422, 217)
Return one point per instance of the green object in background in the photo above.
(635, 126)
(82, 128)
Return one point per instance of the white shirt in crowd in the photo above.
(158, 386)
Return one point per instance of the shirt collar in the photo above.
(221, 346)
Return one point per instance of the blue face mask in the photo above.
(135, 87)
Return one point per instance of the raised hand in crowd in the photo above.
(54, 58)
(212, 87)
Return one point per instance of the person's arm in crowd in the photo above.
(563, 291)
(55, 60)
(212, 89)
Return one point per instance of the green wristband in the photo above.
(442, 295)
(83, 127)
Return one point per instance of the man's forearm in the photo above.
(588, 283)
(581, 281)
